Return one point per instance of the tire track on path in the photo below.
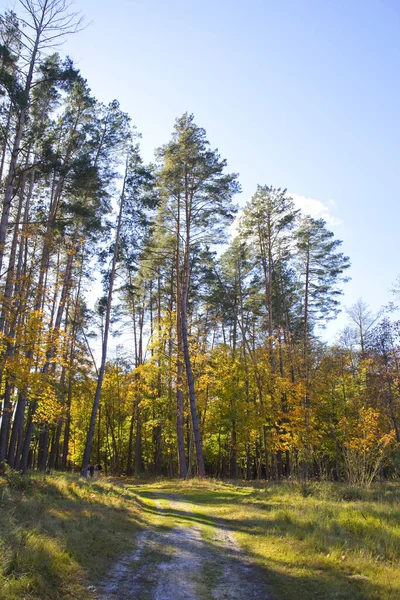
(188, 561)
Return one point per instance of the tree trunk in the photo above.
(90, 434)
(180, 420)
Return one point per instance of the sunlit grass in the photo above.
(312, 542)
(60, 534)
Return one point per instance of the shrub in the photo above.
(16, 480)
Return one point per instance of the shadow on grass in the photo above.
(285, 526)
(195, 497)
(56, 537)
(60, 536)
(331, 579)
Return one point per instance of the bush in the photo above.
(16, 480)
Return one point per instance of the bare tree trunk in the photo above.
(138, 439)
(17, 425)
(10, 330)
(189, 372)
(90, 434)
(55, 442)
(180, 424)
(67, 428)
(130, 443)
(6, 134)
(49, 356)
(192, 396)
(306, 369)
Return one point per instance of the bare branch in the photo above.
(51, 20)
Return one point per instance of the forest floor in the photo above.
(64, 538)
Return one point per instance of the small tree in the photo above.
(366, 447)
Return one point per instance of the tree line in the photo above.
(224, 373)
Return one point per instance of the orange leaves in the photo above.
(49, 408)
(367, 445)
(364, 433)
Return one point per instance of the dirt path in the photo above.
(181, 559)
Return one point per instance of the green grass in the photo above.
(323, 541)
(59, 534)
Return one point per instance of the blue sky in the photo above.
(299, 94)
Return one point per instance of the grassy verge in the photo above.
(60, 534)
(323, 541)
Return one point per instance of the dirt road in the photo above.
(183, 558)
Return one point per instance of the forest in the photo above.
(221, 371)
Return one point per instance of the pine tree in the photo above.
(197, 195)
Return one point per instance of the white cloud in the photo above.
(308, 206)
(316, 208)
